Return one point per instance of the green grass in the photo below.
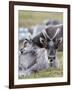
(51, 72)
(29, 18)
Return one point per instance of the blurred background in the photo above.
(30, 18)
(32, 22)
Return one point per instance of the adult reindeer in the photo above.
(51, 42)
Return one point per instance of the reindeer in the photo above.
(32, 58)
(43, 40)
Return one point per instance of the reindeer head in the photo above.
(51, 44)
(27, 44)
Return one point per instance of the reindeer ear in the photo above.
(59, 41)
(30, 37)
(25, 43)
(41, 40)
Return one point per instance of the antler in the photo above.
(58, 30)
(58, 27)
(45, 34)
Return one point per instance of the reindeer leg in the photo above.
(21, 70)
(32, 69)
(35, 68)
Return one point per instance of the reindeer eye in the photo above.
(43, 41)
(25, 42)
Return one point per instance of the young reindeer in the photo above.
(32, 58)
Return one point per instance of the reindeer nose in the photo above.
(21, 50)
(51, 60)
